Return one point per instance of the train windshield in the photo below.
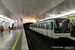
(62, 26)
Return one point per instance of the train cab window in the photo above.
(62, 26)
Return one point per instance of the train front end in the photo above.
(61, 28)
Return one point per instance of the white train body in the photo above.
(53, 28)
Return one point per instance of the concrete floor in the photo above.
(8, 39)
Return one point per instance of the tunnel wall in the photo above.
(19, 25)
(26, 25)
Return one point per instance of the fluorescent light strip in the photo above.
(5, 18)
(61, 15)
(65, 14)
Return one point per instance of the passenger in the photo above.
(72, 25)
(15, 28)
(73, 31)
(1, 29)
(9, 29)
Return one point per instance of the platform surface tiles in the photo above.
(15, 40)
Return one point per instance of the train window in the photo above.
(51, 25)
(44, 26)
(36, 26)
(47, 25)
(40, 25)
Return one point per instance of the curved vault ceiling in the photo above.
(27, 8)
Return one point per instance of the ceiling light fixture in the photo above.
(65, 14)
(4, 17)
(61, 15)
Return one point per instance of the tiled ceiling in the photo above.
(4, 11)
(26, 8)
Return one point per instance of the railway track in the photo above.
(40, 42)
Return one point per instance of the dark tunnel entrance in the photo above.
(26, 25)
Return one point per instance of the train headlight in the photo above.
(56, 31)
(67, 31)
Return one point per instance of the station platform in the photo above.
(15, 40)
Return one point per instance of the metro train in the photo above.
(53, 28)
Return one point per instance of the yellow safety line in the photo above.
(13, 48)
(73, 36)
(70, 16)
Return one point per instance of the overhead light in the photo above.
(61, 15)
(42, 19)
(4, 17)
(53, 15)
(65, 14)
(63, 11)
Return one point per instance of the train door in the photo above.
(50, 29)
(44, 30)
(37, 26)
(47, 27)
(40, 28)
